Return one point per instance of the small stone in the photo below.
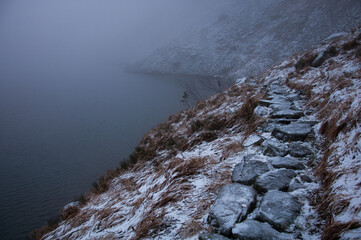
(255, 230)
(279, 209)
(298, 150)
(274, 148)
(247, 171)
(292, 132)
(234, 201)
(211, 236)
(286, 162)
(262, 111)
(275, 180)
(253, 140)
(288, 114)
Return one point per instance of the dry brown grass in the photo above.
(335, 230)
(191, 228)
(190, 166)
(150, 225)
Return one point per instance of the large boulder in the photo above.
(255, 230)
(279, 209)
(274, 148)
(292, 132)
(233, 203)
(212, 236)
(247, 171)
(286, 162)
(298, 150)
(275, 180)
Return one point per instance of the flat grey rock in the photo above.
(298, 150)
(279, 209)
(234, 201)
(255, 230)
(251, 167)
(286, 162)
(253, 140)
(211, 236)
(278, 179)
(288, 114)
(292, 132)
(274, 148)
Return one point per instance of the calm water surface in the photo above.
(61, 132)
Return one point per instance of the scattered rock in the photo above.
(253, 140)
(251, 167)
(279, 209)
(288, 114)
(255, 230)
(211, 236)
(298, 150)
(262, 111)
(275, 180)
(286, 162)
(274, 148)
(292, 132)
(234, 201)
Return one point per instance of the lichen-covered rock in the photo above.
(279, 209)
(255, 230)
(286, 162)
(234, 201)
(298, 150)
(275, 180)
(211, 236)
(292, 132)
(288, 114)
(247, 171)
(274, 148)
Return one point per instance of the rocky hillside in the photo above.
(276, 156)
(253, 35)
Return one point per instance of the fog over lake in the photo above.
(68, 111)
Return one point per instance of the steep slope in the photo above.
(169, 187)
(253, 35)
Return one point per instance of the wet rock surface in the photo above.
(274, 148)
(292, 132)
(247, 171)
(298, 150)
(277, 170)
(233, 203)
(286, 162)
(279, 209)
(255, 230)
(275, 180)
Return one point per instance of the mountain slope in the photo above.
(253, 35)
(168, 187)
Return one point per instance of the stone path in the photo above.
(258, 204)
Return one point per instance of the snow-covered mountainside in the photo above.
(252, 35)
(277, 155)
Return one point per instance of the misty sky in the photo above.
(49, 33)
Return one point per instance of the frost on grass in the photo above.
(172, 179)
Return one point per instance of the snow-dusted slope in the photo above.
(173, 177)
(252, 35)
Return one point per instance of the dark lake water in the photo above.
(60, 132)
